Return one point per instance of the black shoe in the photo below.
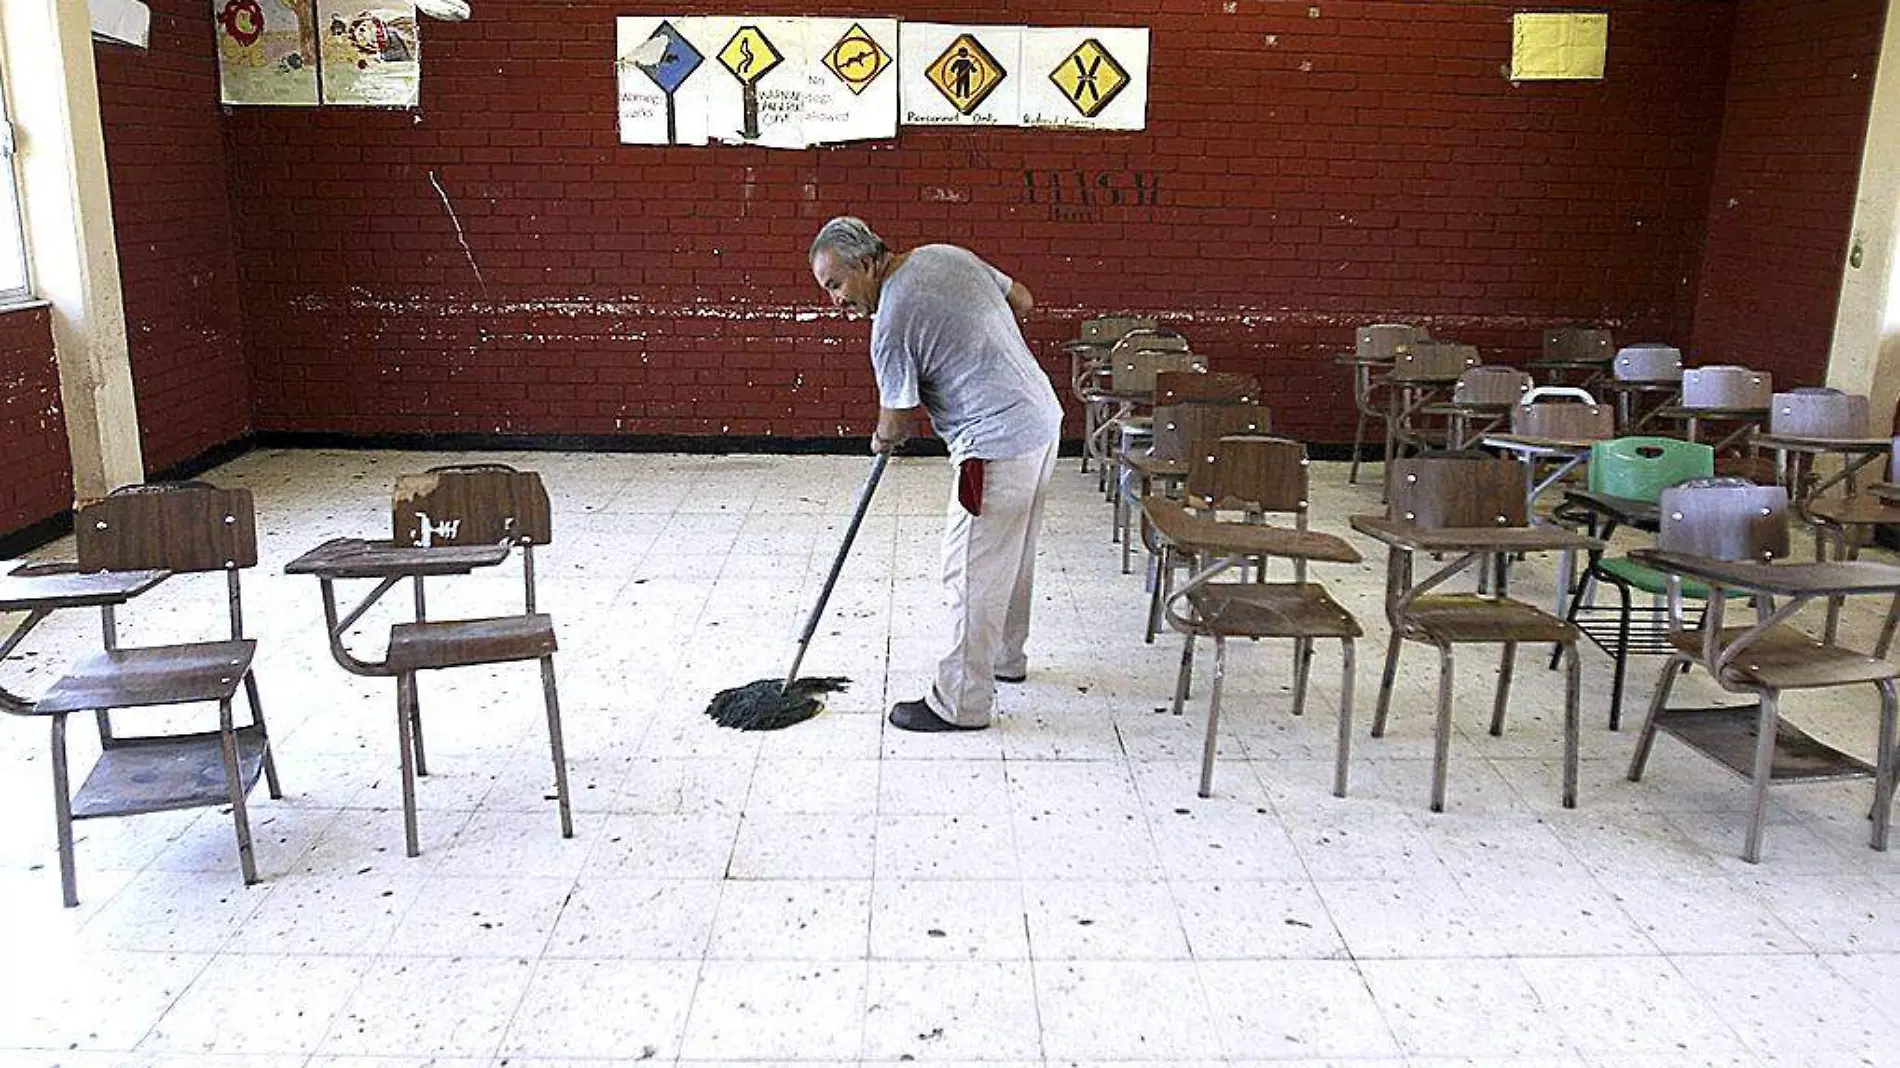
(917, 716)
(1013, 679)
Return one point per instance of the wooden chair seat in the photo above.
(1460, 618)
(156, 675)
(1861, 510)
(1157, 466)
(1787, 659)
(428, 646)
(1272, 610)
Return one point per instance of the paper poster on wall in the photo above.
(370, 52)
(1090, 78)
(267, 51)
(773, 82)
(960, 75)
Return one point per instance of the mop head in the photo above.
(769, 705)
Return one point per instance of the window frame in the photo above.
(16, 225)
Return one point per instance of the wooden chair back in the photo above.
(182, 527)
(1557, 413)
(1249, 472)
(1434, 361)
(483, 504)
(1457, 489)
(1724, 386)
(1491, 384)
(1579, 343)
(1386, 342)
(1108, 329)
(1818, 413)
(1648, 362)
(1724, 519)
(1181, 430)
(1134, 371)
(1194, 387)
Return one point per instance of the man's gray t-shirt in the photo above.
(944, 337)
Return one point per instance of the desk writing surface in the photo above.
(72, 589)
(358, 558)
(1199, 533)
(1788, 580)
(1787, 443)
(1404, 535)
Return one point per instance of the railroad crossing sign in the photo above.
(857, 59)
(966, 74)
(749, 56)
(676, 64)
(1089, 78)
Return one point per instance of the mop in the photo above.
(770, 705)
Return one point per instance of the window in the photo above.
(12, 236)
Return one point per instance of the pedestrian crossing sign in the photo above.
(1089, 77)
(966, 74)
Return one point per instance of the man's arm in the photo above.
(893, 428)
(1019, 299)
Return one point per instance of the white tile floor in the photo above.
(1047, 892)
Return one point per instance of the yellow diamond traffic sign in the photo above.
(1090, 77)
(857, 59)
(749, 55)
(966, 73)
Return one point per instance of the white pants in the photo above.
(989, 574)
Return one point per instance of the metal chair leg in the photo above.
(1505, 664)
(257, 717)
(1213, 716)
(1341, 759)
(1658, 701)
(234, 784)
(1884, 768)
(1441, 733)
(557, 745)
(1385, 684)
(1302, 667)
(1358, 442)
(405, 730)
(1573, 724)
(63, 814)
(1187, 669)
(415, 725)
(1765, 723)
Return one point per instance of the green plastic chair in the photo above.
(1636, 469)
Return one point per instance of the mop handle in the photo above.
(837, 564)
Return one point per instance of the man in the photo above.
(945, 342)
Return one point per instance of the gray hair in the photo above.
(850, 238)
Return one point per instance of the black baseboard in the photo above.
(28, 538)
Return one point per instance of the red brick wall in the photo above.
(1782, 200)
(38, 482)
(174, 214)
(1313, 173)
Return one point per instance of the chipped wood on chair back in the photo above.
(1457, 489)
(1724, 386)
(1818, 413)
(187, 526)
(1578, 343)
(1181, 430)
(1249, 472)
(1724, 519)
(1195, 387)
(476, 505)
